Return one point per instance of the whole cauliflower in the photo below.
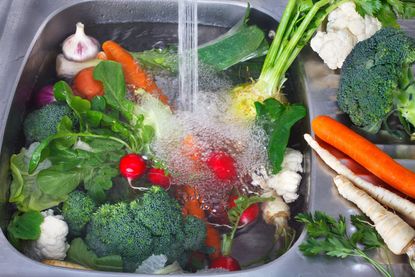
(345, 28)
(52, 241)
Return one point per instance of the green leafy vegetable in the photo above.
(234, 215)
(112, 77)
(79, 253)
(277, 119)
(25, 226)
(25, 191)
(328, 236)
(387, 11)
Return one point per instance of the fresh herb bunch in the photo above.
(329, 237)
(387, 11)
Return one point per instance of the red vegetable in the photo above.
(132, 166)
(222, 165)
(249, 215)
(225, 262)
(158, 176)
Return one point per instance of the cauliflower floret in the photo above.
(293, 160)
(345, 28)
(333, 48)
(52, 241)
(285, 184)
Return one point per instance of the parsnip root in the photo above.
(397, 234)
(405, 207)
(276, 212)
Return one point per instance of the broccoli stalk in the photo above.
(299, 22)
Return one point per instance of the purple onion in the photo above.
(44, 96)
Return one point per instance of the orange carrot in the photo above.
(365, 153)
(86, 86)
(134, 74)
(213, 240)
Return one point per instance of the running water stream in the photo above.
(188, 56)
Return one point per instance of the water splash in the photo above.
(188, 56)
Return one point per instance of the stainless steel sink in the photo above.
(30, 34)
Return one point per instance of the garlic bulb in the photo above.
(79, 47)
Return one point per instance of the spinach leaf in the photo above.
(112, 77)
(277, 119)
(26, 226)
(79, 253)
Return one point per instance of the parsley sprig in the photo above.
(329, 237)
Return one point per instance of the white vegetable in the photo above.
(397, 234)
(345, 28)
(333, 47)
(384, 196)
(156, 264)
(52, 241)
(286, 182)
(79, 47)
(276, 212)
(68, 69)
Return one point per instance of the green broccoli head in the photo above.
(152, 224)
(194, 233)
(159, 212)
(42, 123)
(77, 211)
(372, 76)
(114, 231)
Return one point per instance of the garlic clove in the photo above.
(79, 47)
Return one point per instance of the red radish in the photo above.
(222, 165)
(132, 166)
(225, 262)
(249, 215)
(158, 176)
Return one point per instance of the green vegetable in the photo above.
(42, 123)
(24, 226)
(387, 11)
(152, 224)
(234, 215)
(77, 211)
(194, 233)
(299, 22)
(79, 253)
(242, 42)
(277, 119)
(25, 190)
(328, 236)
(377, 79)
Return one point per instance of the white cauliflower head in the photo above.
(52, 241)
(293, 160)
(345, 28)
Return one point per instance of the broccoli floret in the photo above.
(152, 224)
(77, 211)
(375, 79)
(158, 212)
(194, 233)
(42, 123)
(114, 231)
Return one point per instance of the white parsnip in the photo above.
(276, 212)
(405, 207)
(397, 234)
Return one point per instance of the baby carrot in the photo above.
(365, 153)
(213, 240)
(134, 74)
(86, 86)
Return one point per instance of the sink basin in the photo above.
(137, 25)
